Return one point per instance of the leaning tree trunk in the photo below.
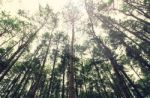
(13, 85)
(49, 91)
(64, 66)
(100, 78)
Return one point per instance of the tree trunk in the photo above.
(100, 78)
(71, 67)
(13, 85)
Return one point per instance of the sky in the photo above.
(32, 5)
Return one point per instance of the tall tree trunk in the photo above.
(52, 75)
(13, 85)
(116, 87)
(138, 94)
(15, 91)
(7, 40)
(64, 66)
(23, 87)
(100, 78)
(71, 67)
(63, 86)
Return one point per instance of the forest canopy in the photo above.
(75, 49)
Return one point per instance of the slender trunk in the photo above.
(63, 85)
(7, 86)
(45, 89)
(42, 85)
(139, 19)
(71, 67)
(138, 75)
(7, 40)
(4, 32)
(100, 78)
(121, 82)
(138, 94)
(52, 73)
(76, 87)
(15, 91)
(113, 87)
(52, 77)
(23, 87)
(116, 86)
(13, 85)
(34, 87)
(64, 65)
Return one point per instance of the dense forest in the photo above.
(93, 49)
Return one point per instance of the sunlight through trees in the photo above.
(84, 49)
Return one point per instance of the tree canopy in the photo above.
(93, 49)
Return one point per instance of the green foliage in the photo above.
(38, 60)
(110, 2)
(2, 50)
(125, 8)
(9, 24)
